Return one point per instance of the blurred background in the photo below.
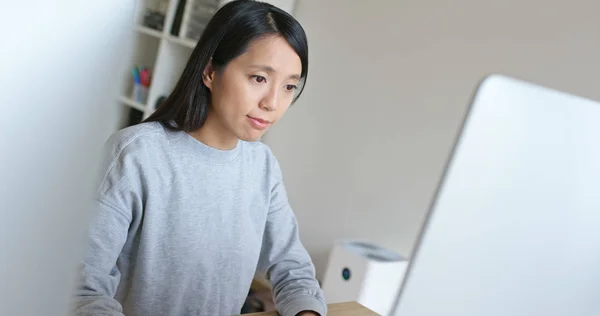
(389, 83)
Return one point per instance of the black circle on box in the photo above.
(346, 274)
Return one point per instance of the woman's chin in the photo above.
(251, 136)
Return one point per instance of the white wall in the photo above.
(389, 82)
(57, 107)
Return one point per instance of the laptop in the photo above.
(514, 228)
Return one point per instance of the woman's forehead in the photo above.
(274, 53)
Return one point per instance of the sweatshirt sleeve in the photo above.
(285, 260)
(100, 275)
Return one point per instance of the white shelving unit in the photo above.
(164, 54)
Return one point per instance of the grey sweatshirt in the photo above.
(182, 228)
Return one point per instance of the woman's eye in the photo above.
(291, 87)
(259, 79)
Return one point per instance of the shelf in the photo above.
(148, 31)
(131, 103)
(180, 41)
(160, 35)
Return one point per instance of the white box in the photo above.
(365, 273)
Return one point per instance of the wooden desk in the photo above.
(342, 309)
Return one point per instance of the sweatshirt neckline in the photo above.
(212, 154)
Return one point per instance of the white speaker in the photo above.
(364, 272)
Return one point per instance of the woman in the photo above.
(191, 205)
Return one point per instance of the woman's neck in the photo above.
(214, 135)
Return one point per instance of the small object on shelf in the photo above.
(145, 77)
(196, 15)
(140, 93)
(141, 84)
(155, 15)
(160, 101)
(154, 20)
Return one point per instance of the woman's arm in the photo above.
(285, 260)
(113, 213)
(100, 275)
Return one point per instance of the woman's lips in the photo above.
(258, 123)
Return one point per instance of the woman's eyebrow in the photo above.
(269, 69)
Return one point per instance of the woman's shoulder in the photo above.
(137, 136)
(142, 130)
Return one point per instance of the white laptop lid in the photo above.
(515, 227)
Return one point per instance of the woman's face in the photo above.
(255, 89)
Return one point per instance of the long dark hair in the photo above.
(227, 35)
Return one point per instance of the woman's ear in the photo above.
(208, 75)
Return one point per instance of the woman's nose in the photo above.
(269, 101)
